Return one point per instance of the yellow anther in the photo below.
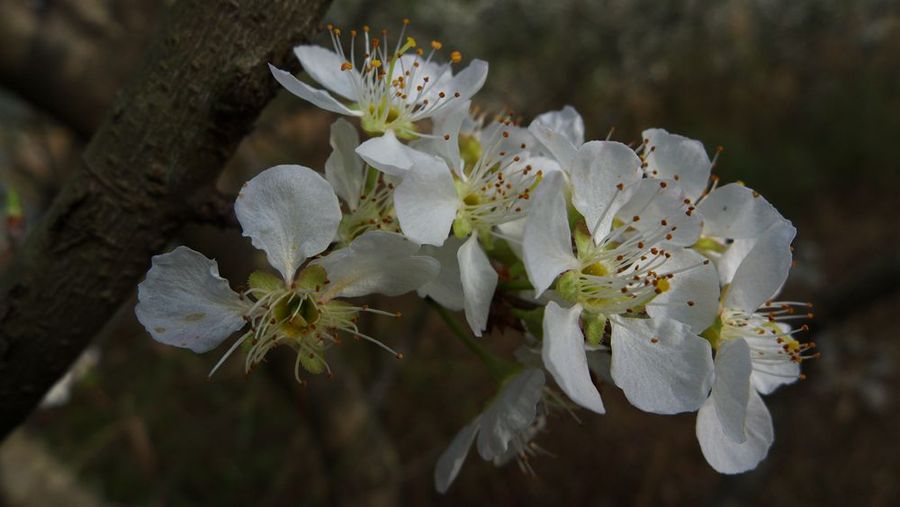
(346, 66)
(436, 44)
(662, 285)
(456, 57)
(376, 63)
(410, 43)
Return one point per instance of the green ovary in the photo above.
(713, 334)
(469, 149)
(707, 244)
(376, 122)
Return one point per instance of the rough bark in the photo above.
(203, 82)
(69, 57)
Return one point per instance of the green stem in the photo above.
(499, 368)
(523, 284)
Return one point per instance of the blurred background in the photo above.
(804, 96)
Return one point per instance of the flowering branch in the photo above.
(202, 85)
(630, 263)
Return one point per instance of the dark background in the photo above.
(804, 96)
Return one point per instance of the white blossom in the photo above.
(389, 87)
(445, 191)
(619, 277)
(367, 194)
(756, 352)
(503, 431)
(292, 214)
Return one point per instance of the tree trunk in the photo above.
(203, 82)
(68, 57)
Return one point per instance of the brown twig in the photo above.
(201, 87)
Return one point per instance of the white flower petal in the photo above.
(184, 302)
(426, 201)
(656, 202)
(452, 459)
(378, 262)
(291, 213)
(547, 242)
(556, 143)
(737, 212)
(343, 169)
(447, 287)
(445, 129)
(601, 174)
(522, 442)
(479, 281)
(512, 412)
(675, 157)
(764, 269)
(318, 98)
(565, 358)
(513, 232)
(565, 122)
(660, 365)
(324, 66)
(693, 295)
(770, 376)
(468, 81)
(735, 252)
(433, 77)
(387, 154)
(731, 387)
(727, 456)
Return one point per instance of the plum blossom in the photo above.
(654, 298)
(675, 157)
(756, 352)
(292, 214)
(390, 88)
(444, 192)
(630, 263)
(367, 194)
(560, 133)
(504, 429)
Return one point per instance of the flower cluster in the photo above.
(626, 261)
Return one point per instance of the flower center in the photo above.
(495, 189)
(394, 86)
(771, 341)
(302, 316)
(620, 275)
(375, 210)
